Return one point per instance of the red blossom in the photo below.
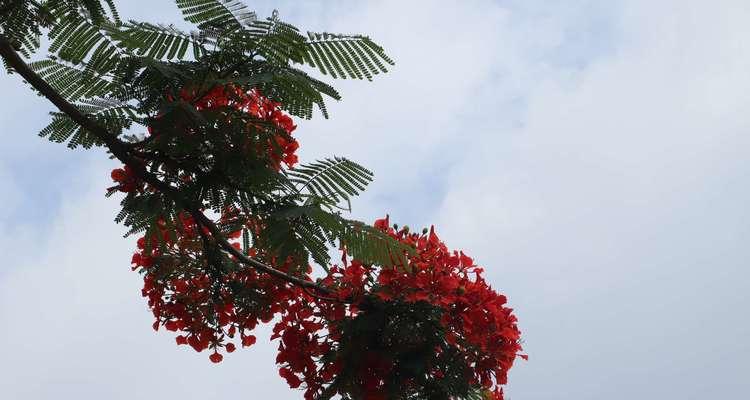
(126, 180)
(283, 148)
(475, 317)
(215, 357)
(248, 340)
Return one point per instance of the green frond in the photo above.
(20, 22)
(141, 213)
(362, 241)
(315, 242)
(113, 115)
(475, 393)
(157, 41)
(285, 237)
(352, 56)
(336, 179)
(93, 8)
(113, 10)
(373, 246)
(223, 14)
(298, 92)
(75, 37)
(71, 82)
(275, 41)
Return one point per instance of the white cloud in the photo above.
(74, 324)
(592, 156)
(614, 214)
(8, 202)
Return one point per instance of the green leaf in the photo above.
(75, 37)
(113, 115)
(224, 14)
(353, 56)
(157, 41)
(71, 82)
(333, 179)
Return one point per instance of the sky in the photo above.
(592, 156)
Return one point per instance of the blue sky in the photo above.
(591, 155)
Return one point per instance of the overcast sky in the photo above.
(593, 156)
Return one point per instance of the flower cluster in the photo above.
(126, 181)
(431, 326)
(400, 328)
(282, 147)
(208, 303)
(474, 316)
(264, 115)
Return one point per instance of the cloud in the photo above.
(591, 155)
(400, 124)
(34, 172)
(10, 201)
(614, 214)
(75, 326)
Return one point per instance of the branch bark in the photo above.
(122, 152)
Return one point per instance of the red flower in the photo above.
(126, 179)
(257, 106)
(118, 175)
(382, 223)
(473, 315)
(292, 379)
(215, 357)
(248, 340)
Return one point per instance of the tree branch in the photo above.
(121, 151)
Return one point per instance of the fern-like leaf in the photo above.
(276, 41)
(363, 242)
(157, 41)
(298, 92)
(71, 82)
(352, 56)
(75, 37)
(223, 14)
(336, 179)
(373, 246)
(113, 115)
(20, 22)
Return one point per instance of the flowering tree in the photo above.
(230, 223)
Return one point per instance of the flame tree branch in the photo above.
(121, 151)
